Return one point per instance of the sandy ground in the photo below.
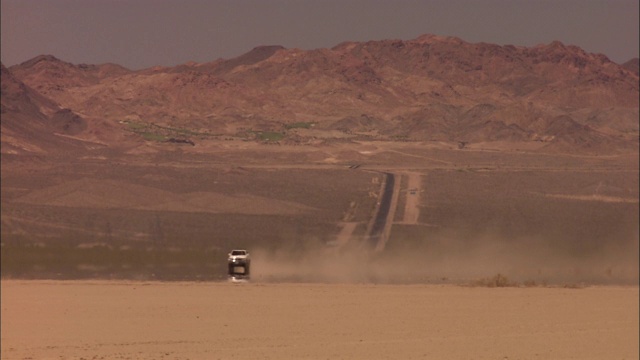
(136, 320)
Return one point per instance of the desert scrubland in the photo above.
(557, 220)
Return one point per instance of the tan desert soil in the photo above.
(188, 320)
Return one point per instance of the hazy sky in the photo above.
(143, 33)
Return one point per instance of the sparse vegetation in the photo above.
(152, 136)
(155, 132)
(574, 286)
(485, 220)
(107, 261)
(270, 136)
(42, 240)
(497, 280)
(500, 280)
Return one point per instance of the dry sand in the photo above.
(154, 320)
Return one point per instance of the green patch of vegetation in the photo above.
(154, 132)
(270, 136)
(134, 126)
(182, 131)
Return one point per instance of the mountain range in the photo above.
(428, 89)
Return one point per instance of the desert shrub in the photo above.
(134, 126)
(573, 286)
(153, 137)
(498, 280)
(270, 136)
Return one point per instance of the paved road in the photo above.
(377, 232)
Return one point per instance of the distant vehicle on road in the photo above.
(239, 265)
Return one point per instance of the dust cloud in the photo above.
(525, 262)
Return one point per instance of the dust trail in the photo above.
(447, 260)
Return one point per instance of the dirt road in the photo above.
(135, 320)
(411, 209)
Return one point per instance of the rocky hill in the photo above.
(431, 88)
(33, 123)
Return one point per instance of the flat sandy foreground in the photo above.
(208, 320)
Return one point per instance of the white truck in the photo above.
(239, 265)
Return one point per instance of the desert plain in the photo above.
(485, 253)
(217, 320)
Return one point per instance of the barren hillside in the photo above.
(431, 88)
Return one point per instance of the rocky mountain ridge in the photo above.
(431, 88)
